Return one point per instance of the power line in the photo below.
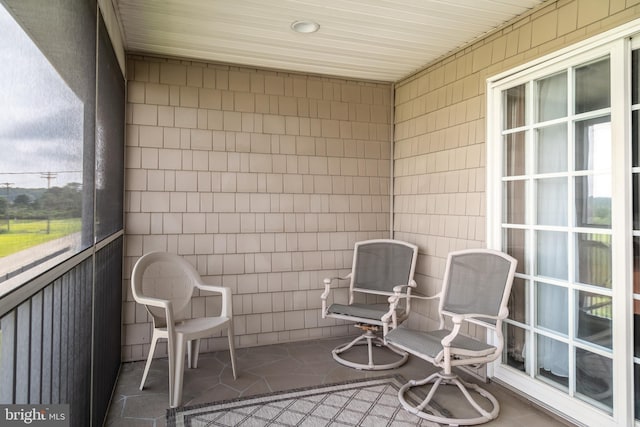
(36, 173)
(49, 176)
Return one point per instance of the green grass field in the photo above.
(25, 234)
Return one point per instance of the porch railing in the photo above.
(60, 343)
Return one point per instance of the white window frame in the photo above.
(618, 44)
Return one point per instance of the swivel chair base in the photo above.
(369, 338)
(440, 378)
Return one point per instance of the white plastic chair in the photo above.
(381, 267)
(164, 284)
(476, 288)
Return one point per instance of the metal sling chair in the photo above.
(476, 288)
(380, 268)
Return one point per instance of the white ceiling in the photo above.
(382, 40)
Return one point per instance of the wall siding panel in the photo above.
(262, 180)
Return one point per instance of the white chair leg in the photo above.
(178, 371)
(193, 350)
(171, 355)
(152, 349)
(232, 350)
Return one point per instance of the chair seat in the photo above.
(363, 311)
(430, 343)
(200, 326)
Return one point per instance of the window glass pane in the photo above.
(551, 196)
(593, 317)
(551, 149)
(109, 179)
(636, 291)
(593, 201)
(513, 203)
(636, 327)
(517, 301)
(636, 201)
(514, 245)
(551, 302)
(594, 377)
(592, 86)
(551, 254)
(635, 77)
(515, 338)
(593, 259)
(46, 137)
(636, 386)
(552, 97)
(553, 362)
(593, 144)
(514, 151)
(514, 113)
(635, 140)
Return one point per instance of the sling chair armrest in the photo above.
(459, 318)
(390, 315)
(438, 295)
(327, 289)
(398, 288)
(393, 305)
(394, 299)
(446, 341)
(327, 285)
(397, 291)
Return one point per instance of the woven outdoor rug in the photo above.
(372, 402)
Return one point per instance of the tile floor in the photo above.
(274, 368)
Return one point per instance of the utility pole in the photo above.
(6, 185)
(48, 176)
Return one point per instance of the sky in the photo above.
(41, 119)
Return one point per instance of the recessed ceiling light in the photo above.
(305, 26)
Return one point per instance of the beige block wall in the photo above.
(262, 180)
(440, 117)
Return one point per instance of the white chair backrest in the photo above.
(168, 277)
(379, 265)
(477, 281)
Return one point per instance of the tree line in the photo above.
(52, 203)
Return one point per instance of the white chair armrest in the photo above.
(225, 292)
(210, 288)
(160, 303)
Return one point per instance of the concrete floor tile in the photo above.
(275, 368)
